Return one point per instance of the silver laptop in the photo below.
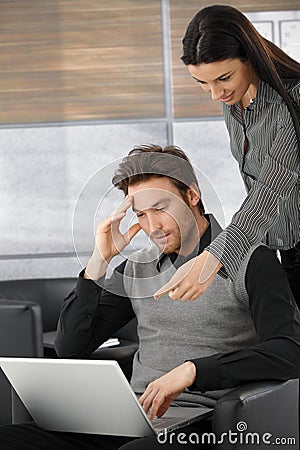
(88, 396)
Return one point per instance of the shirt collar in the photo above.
(178, 260)
(265, 94)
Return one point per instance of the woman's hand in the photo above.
(191, 279)
(161, 392)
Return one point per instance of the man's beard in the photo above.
(165, 246)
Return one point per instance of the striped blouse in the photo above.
(270, 170)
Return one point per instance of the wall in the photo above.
(82, 82)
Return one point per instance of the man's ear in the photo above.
(193, 195)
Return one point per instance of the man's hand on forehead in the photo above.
(124, 206)
(109, 240)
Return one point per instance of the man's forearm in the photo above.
(96, 268)
(75, 336)
(92, 314)
(273, 360)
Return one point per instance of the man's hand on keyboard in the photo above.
(160, 393)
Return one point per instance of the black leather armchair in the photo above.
(20, 336)
(257, 412)
(49, 294)
(29, 312)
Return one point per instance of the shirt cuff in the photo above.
(230, 247)
(207, 374)
(88, 289)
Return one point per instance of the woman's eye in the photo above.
(224, 78)
(139, 215)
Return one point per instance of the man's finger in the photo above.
(147, 399)
(117, 217)
(163, 408)
(133, 230)
(156, 404)
(115, 222)
(125, 205)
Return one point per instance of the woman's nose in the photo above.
(216, 92)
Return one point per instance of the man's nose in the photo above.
(154, 222)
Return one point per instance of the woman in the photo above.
(259, 87)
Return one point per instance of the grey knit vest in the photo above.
(171, 332)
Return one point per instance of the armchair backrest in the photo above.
(47, 292)
(20, 336)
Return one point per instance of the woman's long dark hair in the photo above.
(220, 32)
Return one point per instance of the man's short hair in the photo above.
(153, 161)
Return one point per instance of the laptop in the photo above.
(88, 396)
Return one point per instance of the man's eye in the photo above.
(140, 214)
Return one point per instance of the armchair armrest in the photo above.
(258, 408)
(123, 353)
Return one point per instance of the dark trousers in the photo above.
(30, 437)
(290, 260)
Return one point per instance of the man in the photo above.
(189, 351)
